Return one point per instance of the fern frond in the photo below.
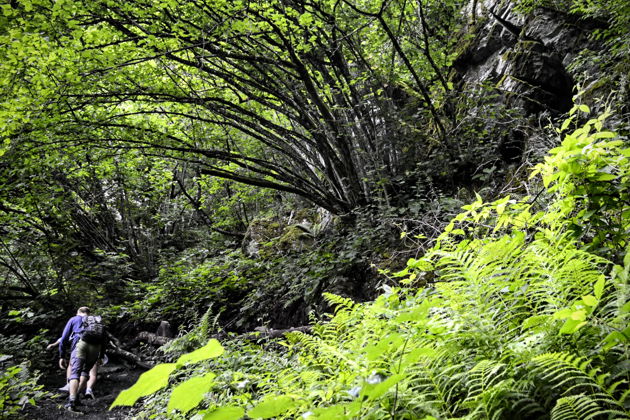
(341, 303)
(574, 407)
(485, 375)
(571, 376)
(436, 387)
(583, 407)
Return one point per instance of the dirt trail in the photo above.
(112, 379)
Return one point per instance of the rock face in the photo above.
(524, 58)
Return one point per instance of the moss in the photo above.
(294, 238)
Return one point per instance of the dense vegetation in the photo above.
(450, 234)
(518, 317)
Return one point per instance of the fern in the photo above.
(571, 376)
(487, 341)
(582, 407)
(341, 303)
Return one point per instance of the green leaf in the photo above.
(338, 411)
(598, 289)
(418, 314)
(534, 321)
(416, 354)
(566, 123)
(590, 300)
(148, 383)
(374, 392)
(272, 406)
(390, 342)
(605, 177)
(584, 108)
(563, 314)
(605, 135)
(613, 339)
(189, 394)
(229, 412)
(578, 315)
(571, 326)
(332, 412)
(209, 351)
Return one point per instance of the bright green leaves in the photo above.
(577, 315)
(189, 394)
(272, 406)
(373, 392)
(338, 411)
(598, 289)
(148, 383)
(590, 301)
(4, 146)
(590, 173)
(224, 413)
(386, 345)
(506, 278)
(209, 351)
(306, 19)
(186, 395)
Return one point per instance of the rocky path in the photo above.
(112, 379)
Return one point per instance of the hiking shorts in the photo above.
(83, 358)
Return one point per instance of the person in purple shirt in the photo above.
(83, 353)
(71, 334)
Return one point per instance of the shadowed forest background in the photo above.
(408, 209)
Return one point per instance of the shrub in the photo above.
(18, 387)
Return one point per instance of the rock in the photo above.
(529, 68)
(260, 231)
(535, 79)
(265, 237)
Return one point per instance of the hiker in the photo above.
(86, 336)
(93, 373)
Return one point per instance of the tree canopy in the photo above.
(308, 97)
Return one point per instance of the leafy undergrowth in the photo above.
(525, 315)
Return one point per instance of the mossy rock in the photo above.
(268, 237)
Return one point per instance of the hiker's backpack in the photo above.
(93, 329)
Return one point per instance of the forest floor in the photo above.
(112, 379)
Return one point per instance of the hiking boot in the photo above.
(70, 405)
(89, 394)
(65, 388)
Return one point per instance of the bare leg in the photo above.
(74, 388)
(93, 377)
(82, 383)
(66, 387)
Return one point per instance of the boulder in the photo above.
(525, 58)
(265, 237)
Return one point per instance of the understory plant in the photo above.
(520, 310)
(18, 387)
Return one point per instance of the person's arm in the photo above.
(65, 336)
(51, 345)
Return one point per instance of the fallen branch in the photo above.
(115, 349)
(127, 355)
(150, 338)
(264, 332)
